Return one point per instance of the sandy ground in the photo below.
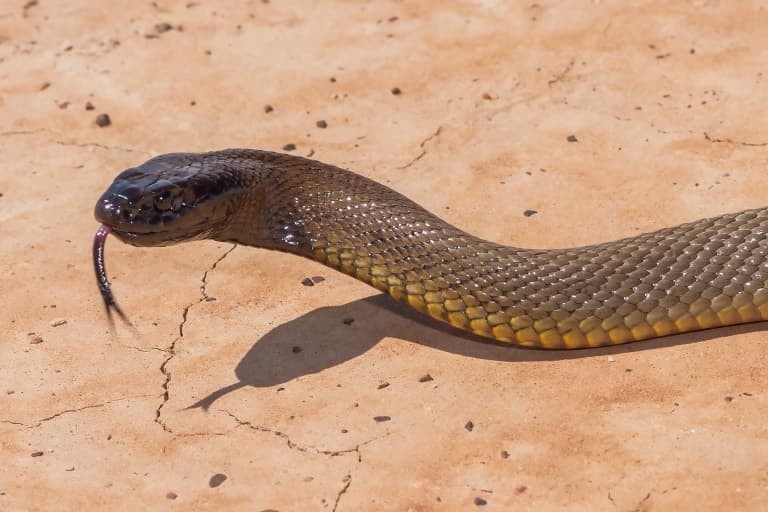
(264, 399)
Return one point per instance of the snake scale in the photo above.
(708, 273)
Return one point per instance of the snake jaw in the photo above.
(101, 275)
(168, 199)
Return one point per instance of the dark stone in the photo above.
(217, 479)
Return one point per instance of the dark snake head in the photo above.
(172, 198)
(169, 199)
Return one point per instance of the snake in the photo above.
(699, 275)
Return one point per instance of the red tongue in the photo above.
(101, 273)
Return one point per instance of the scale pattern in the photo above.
(704, 274)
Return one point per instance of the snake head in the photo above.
(168, 199)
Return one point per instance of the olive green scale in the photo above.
(708, 273)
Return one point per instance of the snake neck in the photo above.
(300, 206)
(357, 226)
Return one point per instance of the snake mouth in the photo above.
(160, 235)
(150, 237)
(145, 227)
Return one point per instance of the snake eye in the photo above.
(163, 201)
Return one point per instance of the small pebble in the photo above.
(45, 85)
(171, 495)
(469, 426)
(268, 109)
(480, 502)
(36, 454)
(729, 399)
(383, 385)
(504, 454)
(289, 147)
(89, 106)
(611, 359)
(321, 124)
(529, 213)
(296, 349)
(163, 27)
(426, 378)
(396, 91)
(57, 322)
(348, 321)
(572, 138)
(521, 489)
(379, 419)
(103, 120)
(35, 340)
(70, 468)
(217, 479)
(307, 282)
(317, 279)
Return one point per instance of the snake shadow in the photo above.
(329, 336)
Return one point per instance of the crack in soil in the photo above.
(145, 350)
(423, 148)
(68, 411)
(100, 146)
(10, 133)
(171, 350)
(298, 446)
(202, 434)
(347, 482)
(62, 142)
(558, 77)
(731, 141)
(640, 506)
(12, 422)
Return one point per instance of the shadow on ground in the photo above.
(324, 338)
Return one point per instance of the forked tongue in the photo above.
(101, 274)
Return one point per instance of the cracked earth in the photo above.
(171, 349)
(239, 388)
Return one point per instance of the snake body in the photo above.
(708, 273)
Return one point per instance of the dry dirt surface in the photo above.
(540, 124)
